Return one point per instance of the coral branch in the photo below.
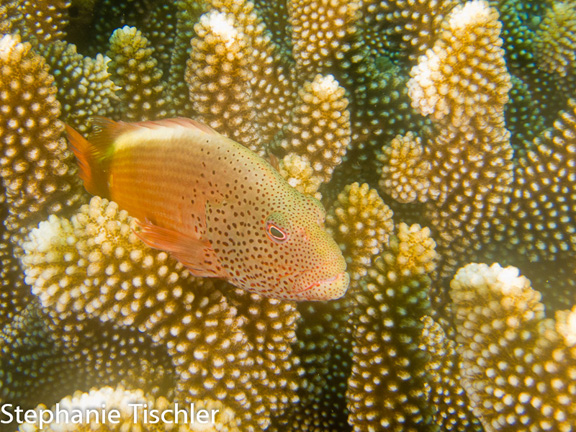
(135, 71)
(517, 366)
(37, 171)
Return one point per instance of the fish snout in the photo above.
(322, 288)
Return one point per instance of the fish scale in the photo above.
(162, 197)
(214, 205)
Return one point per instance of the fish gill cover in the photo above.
(439, 135)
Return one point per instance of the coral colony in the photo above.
(440, 136)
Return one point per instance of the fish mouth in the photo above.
(326, 289)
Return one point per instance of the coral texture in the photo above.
(556, 39)
(387, 386)
(38, 172)
(135, 71)
(136, 410)
(509, 348)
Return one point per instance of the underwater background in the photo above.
(439, 135)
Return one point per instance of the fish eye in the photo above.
(276, 233)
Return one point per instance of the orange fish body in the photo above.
(214, 205)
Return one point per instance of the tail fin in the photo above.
(92, 161)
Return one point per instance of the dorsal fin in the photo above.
(94, 156)
(185, 122)
(110, 129)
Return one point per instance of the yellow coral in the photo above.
(237, 84)
(84, 86)
(319, 130)
(509, 348)
(92, 266)
(387, 387)
(135, 71)
(44, 21)
(405, 174)
(360, 223)
(447, 394)
(300, 175)
(543, 175)
(204, 340)
(322, 33)
(38, 174)
(43, 360)
(469, 30)
(415, 254)
(14, 293)
(462, 83)
(404, 26)
(117, 409)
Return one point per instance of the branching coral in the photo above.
(484, 197)
(219, 77)
(409, 28)
(134, 408)
(45, 21)
(14, 294)
(483, 194)
(323, 35)
(540, 95)
(135, 71)
(447, 395)
(27, 352)
(42, 361)
(320, 128)
(270, 327)
(187, 15)
(361, 355)
(387, 386)
(545, 175)
(298, 171)
(91, 267)
(556, 39)
(468, 105)
(405, 154)
(361, 223)
(236, 82)
(323, 347)
(83, 83)
(38, 175)
(517, 366)
(466, 174)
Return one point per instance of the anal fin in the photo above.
(195, 253)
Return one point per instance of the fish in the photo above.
(214, 205)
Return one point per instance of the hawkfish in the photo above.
(213, 204)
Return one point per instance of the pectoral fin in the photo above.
(195, 253)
